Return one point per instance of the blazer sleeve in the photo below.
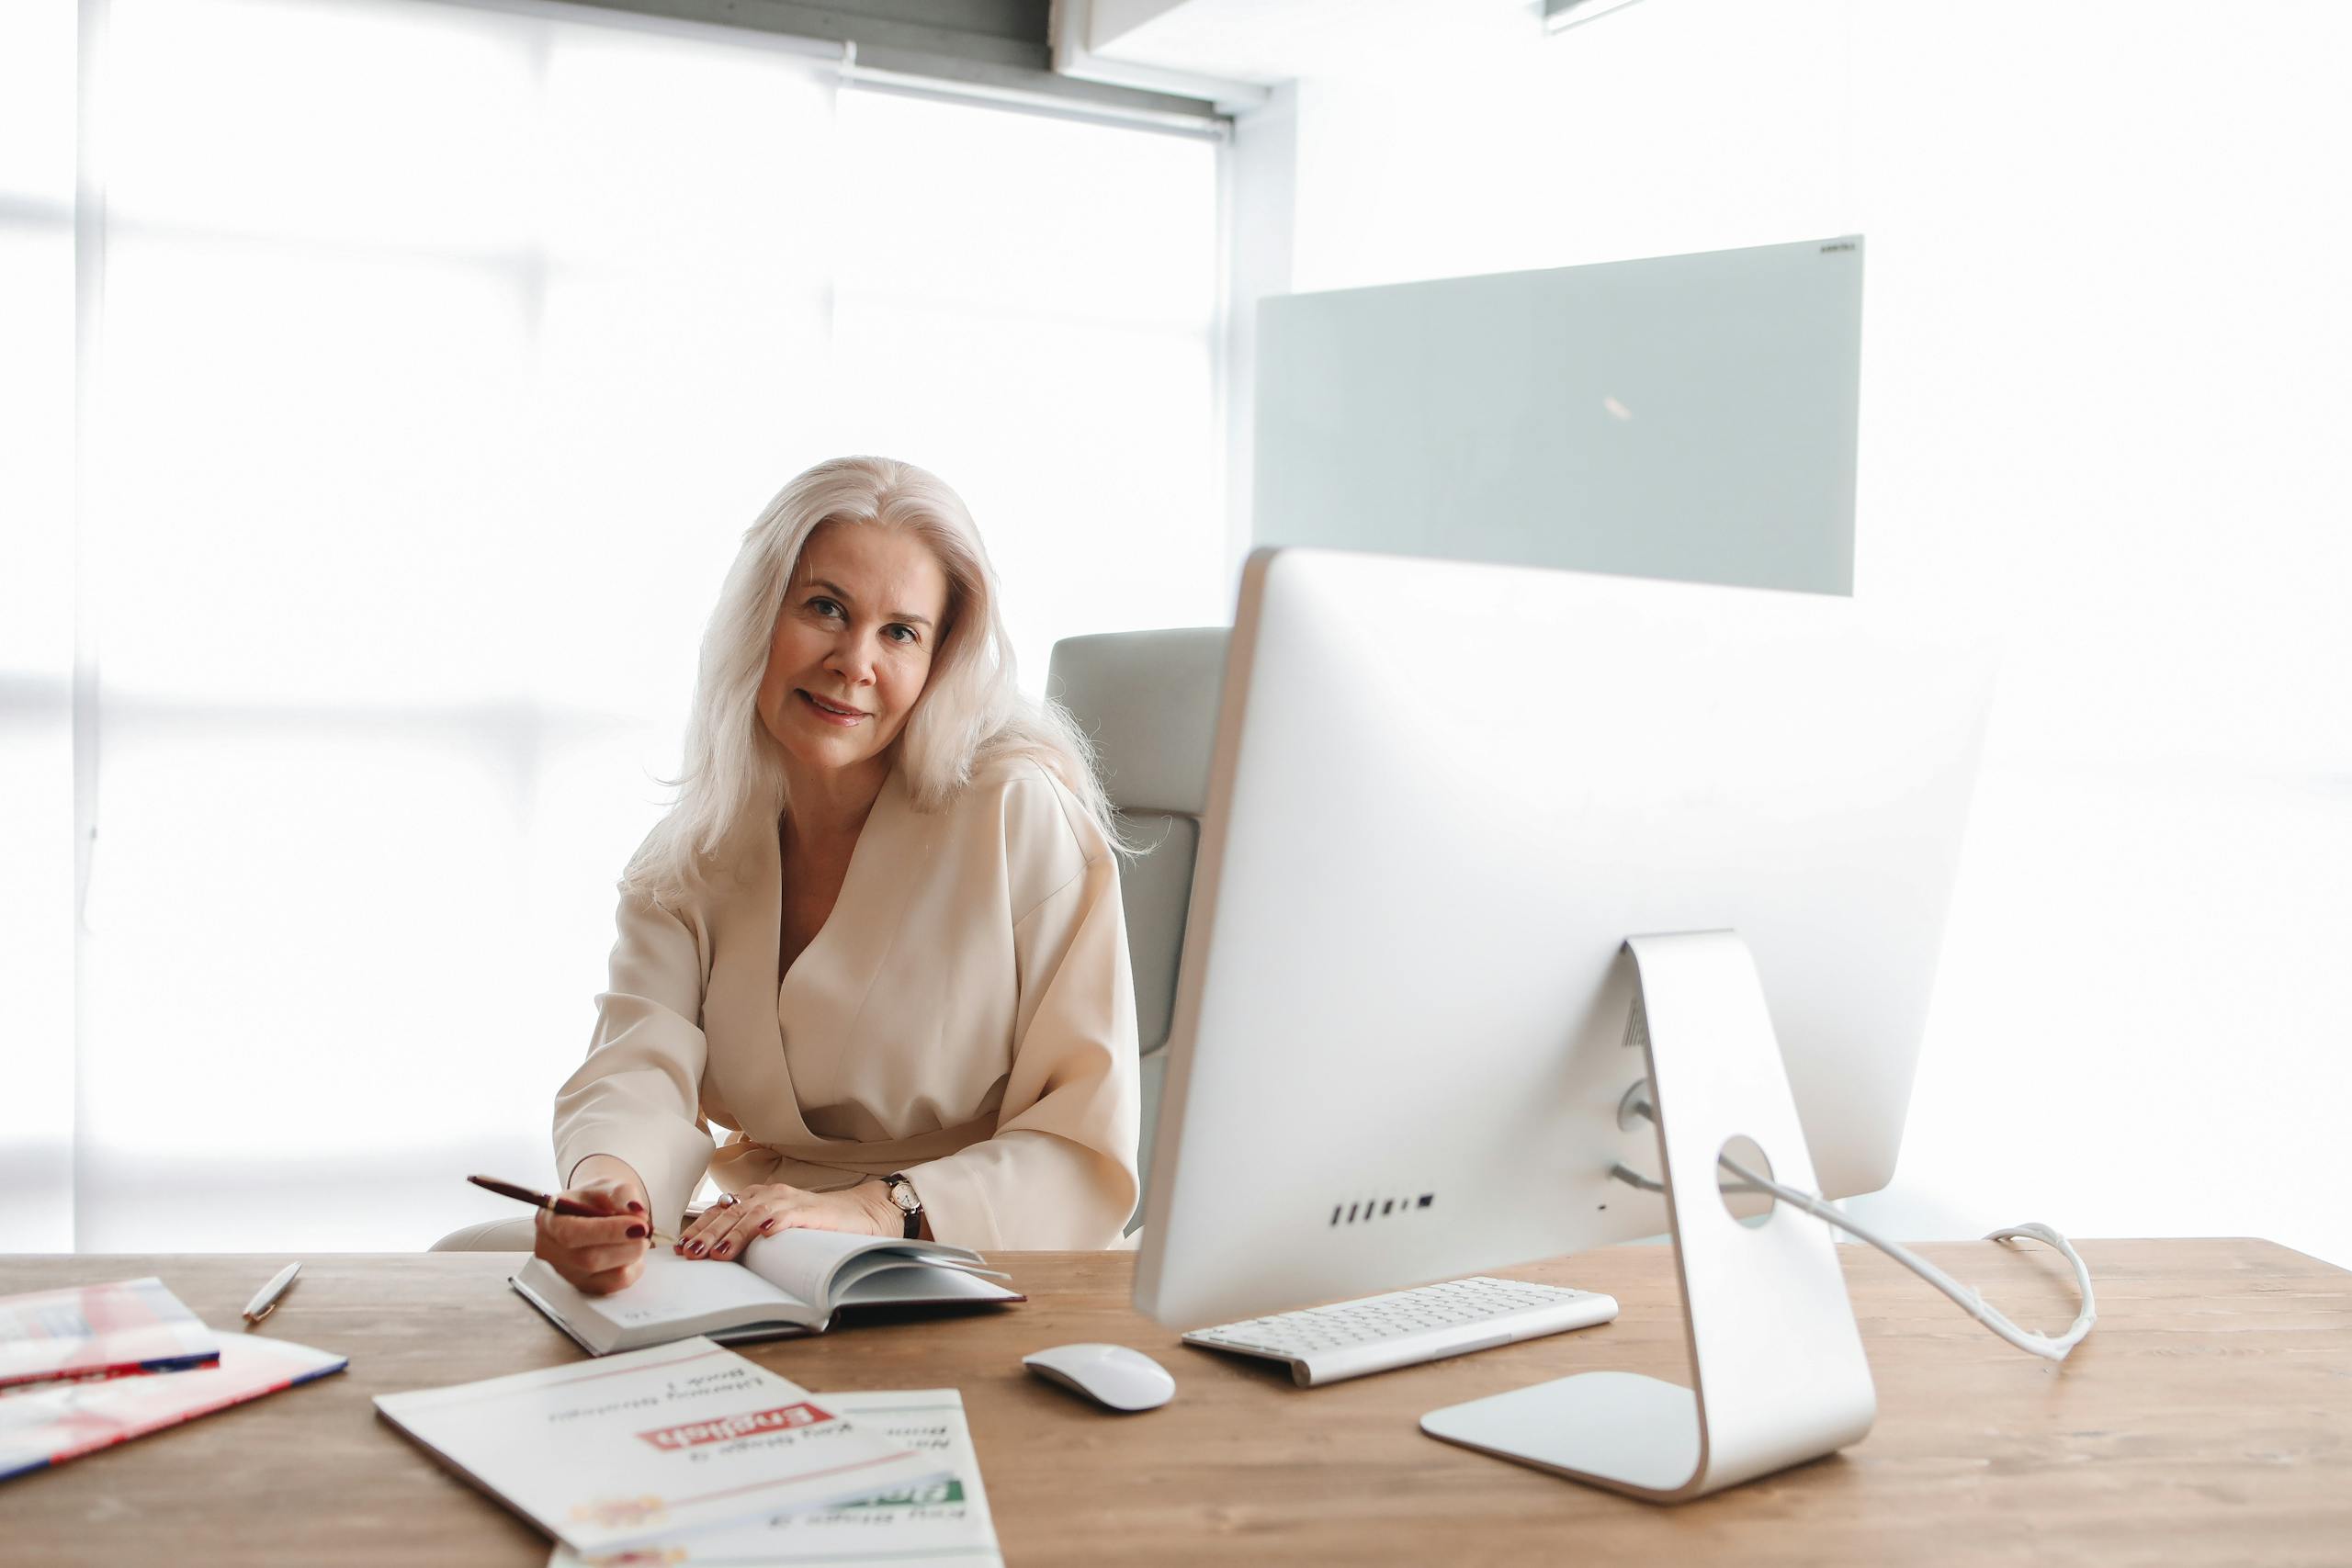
(1060, 1171)
(639, 1094)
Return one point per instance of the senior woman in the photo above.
(877, 940)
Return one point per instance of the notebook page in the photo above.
(672, 1291)
(797, 1262)
(673, 1287)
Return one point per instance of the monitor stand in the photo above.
(1777, 1373)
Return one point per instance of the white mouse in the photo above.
(1110, 1375)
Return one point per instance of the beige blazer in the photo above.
(966, 1016)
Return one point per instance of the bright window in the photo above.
(443, 355)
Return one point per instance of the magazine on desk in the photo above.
(654, 1447)
(54, 1422)
(89, 1333)
(943, 1523)
(791, 1282)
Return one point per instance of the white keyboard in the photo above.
(1403, 1328)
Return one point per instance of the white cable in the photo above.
(1638, 1104)
(1975, 1305)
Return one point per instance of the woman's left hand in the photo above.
(725, 1229)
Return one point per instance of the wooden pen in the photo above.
(555, 1205)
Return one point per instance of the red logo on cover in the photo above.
(694, 1433)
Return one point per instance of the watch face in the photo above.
(903, 1194)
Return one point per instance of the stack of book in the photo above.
(90, 1365)
(687, 1452)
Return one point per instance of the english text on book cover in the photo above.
(614, 1454)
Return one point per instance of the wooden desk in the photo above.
(2207, 1420)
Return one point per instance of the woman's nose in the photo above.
(853, 657)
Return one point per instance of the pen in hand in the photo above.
(553, 1204)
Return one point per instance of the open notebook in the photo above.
(791, 1282)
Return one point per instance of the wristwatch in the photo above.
(902, 1193)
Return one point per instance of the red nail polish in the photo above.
(634, 1207)
(637, 1233)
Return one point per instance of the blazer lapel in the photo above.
(748, 1007)
(740, 1024)
(821, 1001)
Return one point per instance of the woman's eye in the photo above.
(826, 607)
(900, 632)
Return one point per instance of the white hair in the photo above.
(971, 712)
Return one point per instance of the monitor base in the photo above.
(1778, 1375)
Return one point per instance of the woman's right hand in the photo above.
(602, 1255)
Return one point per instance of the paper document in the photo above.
(654, 1446)
(55, 1422)
(122, 1328)
(945, 1521)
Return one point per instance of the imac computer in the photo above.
(1521, 896)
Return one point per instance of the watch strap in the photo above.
(896, 1183)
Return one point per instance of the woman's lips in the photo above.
(831, 713)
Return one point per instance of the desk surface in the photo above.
(2207, 1420)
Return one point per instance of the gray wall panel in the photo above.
(1688, 417)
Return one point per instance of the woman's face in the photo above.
(852, 645)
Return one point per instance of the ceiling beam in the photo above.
(997, 48)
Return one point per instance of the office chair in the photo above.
(1148, 702)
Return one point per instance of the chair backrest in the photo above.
(1148, 702)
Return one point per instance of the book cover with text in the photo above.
(653, 1445)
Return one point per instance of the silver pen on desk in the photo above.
(265, 1300)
